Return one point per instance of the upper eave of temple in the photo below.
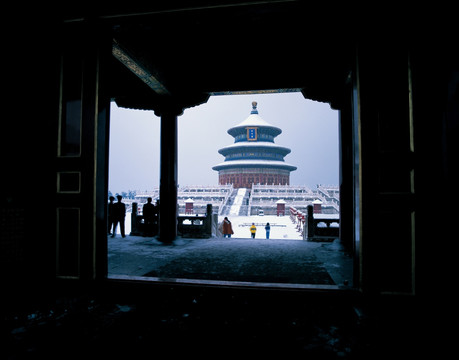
(254, 120)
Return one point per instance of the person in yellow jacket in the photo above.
(253, 230)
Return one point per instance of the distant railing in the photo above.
(315, 227)
(195, 226)
(138, 226)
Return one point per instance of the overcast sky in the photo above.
(309, 129)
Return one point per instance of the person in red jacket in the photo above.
(227, 228)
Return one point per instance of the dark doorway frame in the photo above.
(377, 139)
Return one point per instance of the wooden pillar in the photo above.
(310, 221)
(208, 222)
(134, 213)
(346, 175)
(168, 175)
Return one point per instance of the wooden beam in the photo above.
(139, 69)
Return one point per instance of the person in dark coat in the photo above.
(110, 215)
(227, 228)
(119, 212)
(148, 211)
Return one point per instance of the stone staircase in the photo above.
(237, 203)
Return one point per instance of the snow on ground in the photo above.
(281, 227)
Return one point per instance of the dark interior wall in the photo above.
(435, 69)
(28, 149)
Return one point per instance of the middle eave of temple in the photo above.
(250, 145)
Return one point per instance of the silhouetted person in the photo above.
(148, 211)
(227, 228)
(110, 215)
(119, 213)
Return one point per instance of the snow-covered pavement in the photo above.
(235, 259)
(282, 258)
(281, 227)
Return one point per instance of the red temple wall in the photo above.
(246, 179)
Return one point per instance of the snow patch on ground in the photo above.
(281, 227)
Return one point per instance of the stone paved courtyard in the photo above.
(247, 260)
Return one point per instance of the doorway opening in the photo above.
(308, 128)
